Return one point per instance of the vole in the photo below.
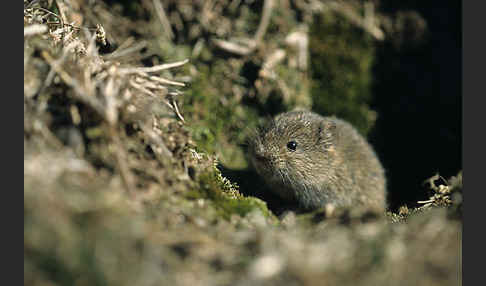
(313, 160)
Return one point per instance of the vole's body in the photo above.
(313, 160)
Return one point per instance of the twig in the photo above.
(125, 44)
(121, 53)
(55, 65)
(367, 25)
(58, 62)
(270, 62)
(31, 3)
(256, 40)
(425, 202)
(120, 157)
(34, 30)
(166, 81)
(72, 26)
(299, 40)
(61, 22)
(264, 22)
(431, 182)
(141, 88)
(152, 69)
(110, 91)
(232, 47)
(79, 91)
(157, 142)
(168, 104)
(61, 7)
(163, 19)
(51, 13)
(52, 72)
(176, 109)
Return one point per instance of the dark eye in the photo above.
(292, 145)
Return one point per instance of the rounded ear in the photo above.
(329, 125)
(327, 133)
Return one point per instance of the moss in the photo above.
(226, 198)
(216, 127)
(341, 67)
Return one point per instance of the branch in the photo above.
(152, 69)
(163, 18)
(34, 30)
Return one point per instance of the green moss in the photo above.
(226, 198)
(341, 67)
(218, 122)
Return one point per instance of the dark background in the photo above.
(417, 94)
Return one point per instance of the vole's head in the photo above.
(295, 148)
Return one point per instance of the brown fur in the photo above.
(332, 163)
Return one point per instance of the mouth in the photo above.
(261, 159)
